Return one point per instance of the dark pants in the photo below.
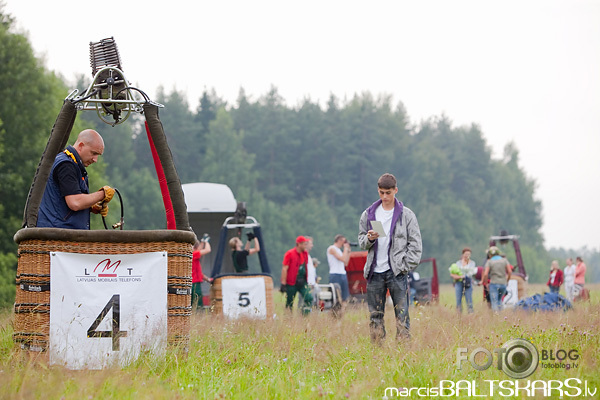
(376, 297)
(305, 294)
(554, 289)
(197, 300)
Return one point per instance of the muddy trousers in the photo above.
(377, 289)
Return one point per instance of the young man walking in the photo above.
(390, 257)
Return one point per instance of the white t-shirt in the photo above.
(335, 266)
(570, 274)
(383, 243)
(311, 279)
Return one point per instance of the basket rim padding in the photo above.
(106, 236)
(245, 275)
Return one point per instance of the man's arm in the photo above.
(363, 240)
(67, 178)
(256, 248)
(508, 272)
(207, 249)
(82, 201)
(345, 257)
(414, 247)
(284, 270)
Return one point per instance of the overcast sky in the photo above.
(524, 71)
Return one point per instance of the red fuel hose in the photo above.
(162, 180)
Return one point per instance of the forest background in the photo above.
(302, 170)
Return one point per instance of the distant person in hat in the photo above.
(499, 271)
(294, 275)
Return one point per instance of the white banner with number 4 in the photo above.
(244, 297)
(106, 309)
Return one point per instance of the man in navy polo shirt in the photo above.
(67, 201)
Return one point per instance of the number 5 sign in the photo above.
(244, 296)
(105, 309)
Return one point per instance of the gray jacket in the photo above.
(405, 240)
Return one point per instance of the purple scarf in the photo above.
(398, 209)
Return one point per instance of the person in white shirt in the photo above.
(338, 255)
(311, 279)
(390, 257)
(569, 278)
(311, 273)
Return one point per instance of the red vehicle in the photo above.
(354, 271)
(426, 287)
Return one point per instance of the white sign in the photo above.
(512, 295)
(105, 309)
(244, 297)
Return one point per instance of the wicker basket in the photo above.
(216, 291)
(32, 303)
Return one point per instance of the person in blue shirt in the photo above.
(67, 201)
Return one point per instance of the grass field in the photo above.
(321, 357)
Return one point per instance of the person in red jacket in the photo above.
(294, 275)
(201, 247)
(556, 278)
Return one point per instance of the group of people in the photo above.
(394, 249)
(495, 276)
(298, 272)
(573, 278)
(497, 273)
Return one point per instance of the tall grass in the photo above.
(315, 356)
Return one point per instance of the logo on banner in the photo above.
(108, 270)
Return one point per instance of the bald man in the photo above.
(67, 201)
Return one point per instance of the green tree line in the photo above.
(309, 169)
(315, 168)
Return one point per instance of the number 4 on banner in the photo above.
(115, 334)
